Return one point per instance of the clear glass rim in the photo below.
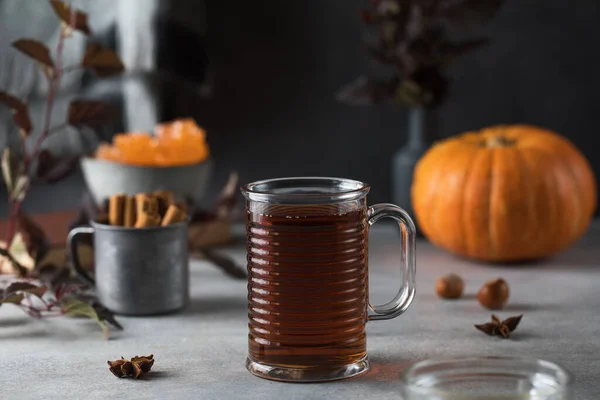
(473, 365)
(338, 189)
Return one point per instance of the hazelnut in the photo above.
(493, 294)
(450, 286)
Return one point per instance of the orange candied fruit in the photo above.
(178, 142)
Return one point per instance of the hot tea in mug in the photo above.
(308, 277)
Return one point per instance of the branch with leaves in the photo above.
(38, 301)
(59, 296)
(414, 46)
(17, 167)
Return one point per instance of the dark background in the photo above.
(278, 64)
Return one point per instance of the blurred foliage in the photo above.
(413, 41)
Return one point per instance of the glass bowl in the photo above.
(485, 378)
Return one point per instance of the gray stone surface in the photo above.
(200, 353)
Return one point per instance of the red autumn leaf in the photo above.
(64, 13)
(25, 287)
(20, 113)
(39, 52)
(102, 60)
(90, 112)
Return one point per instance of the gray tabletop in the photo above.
(200, 353)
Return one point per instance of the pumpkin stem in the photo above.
(499, 141)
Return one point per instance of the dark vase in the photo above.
(422, 127)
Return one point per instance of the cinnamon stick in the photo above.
(173, 215)
(149, 213)
(139, 202)
(130, 212)
(147, 220)
(165, 199)
(116, 209)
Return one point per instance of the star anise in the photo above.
(135, 367)
(120, 368)
(500, 328)
(142, 365)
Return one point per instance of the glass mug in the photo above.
(307, 243)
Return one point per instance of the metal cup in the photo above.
(138, 271)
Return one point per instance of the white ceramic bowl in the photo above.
(105, 178)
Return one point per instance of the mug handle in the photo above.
(406, 294)
(72, 240)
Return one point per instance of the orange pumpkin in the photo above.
(506, 193)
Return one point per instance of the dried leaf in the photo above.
(20, 113)
(11, 101)
(16, 264)
(39, 52)
(22, 120)
(8, 170)
(79, 20)
(90, 113)
(512, 322)
(26, 287)
(53, 169)
(74, 307)
(102, 60)
(15, 298)
(34, 237)
(20, 189)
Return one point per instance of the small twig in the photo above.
(54, 85)
(47, 304)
